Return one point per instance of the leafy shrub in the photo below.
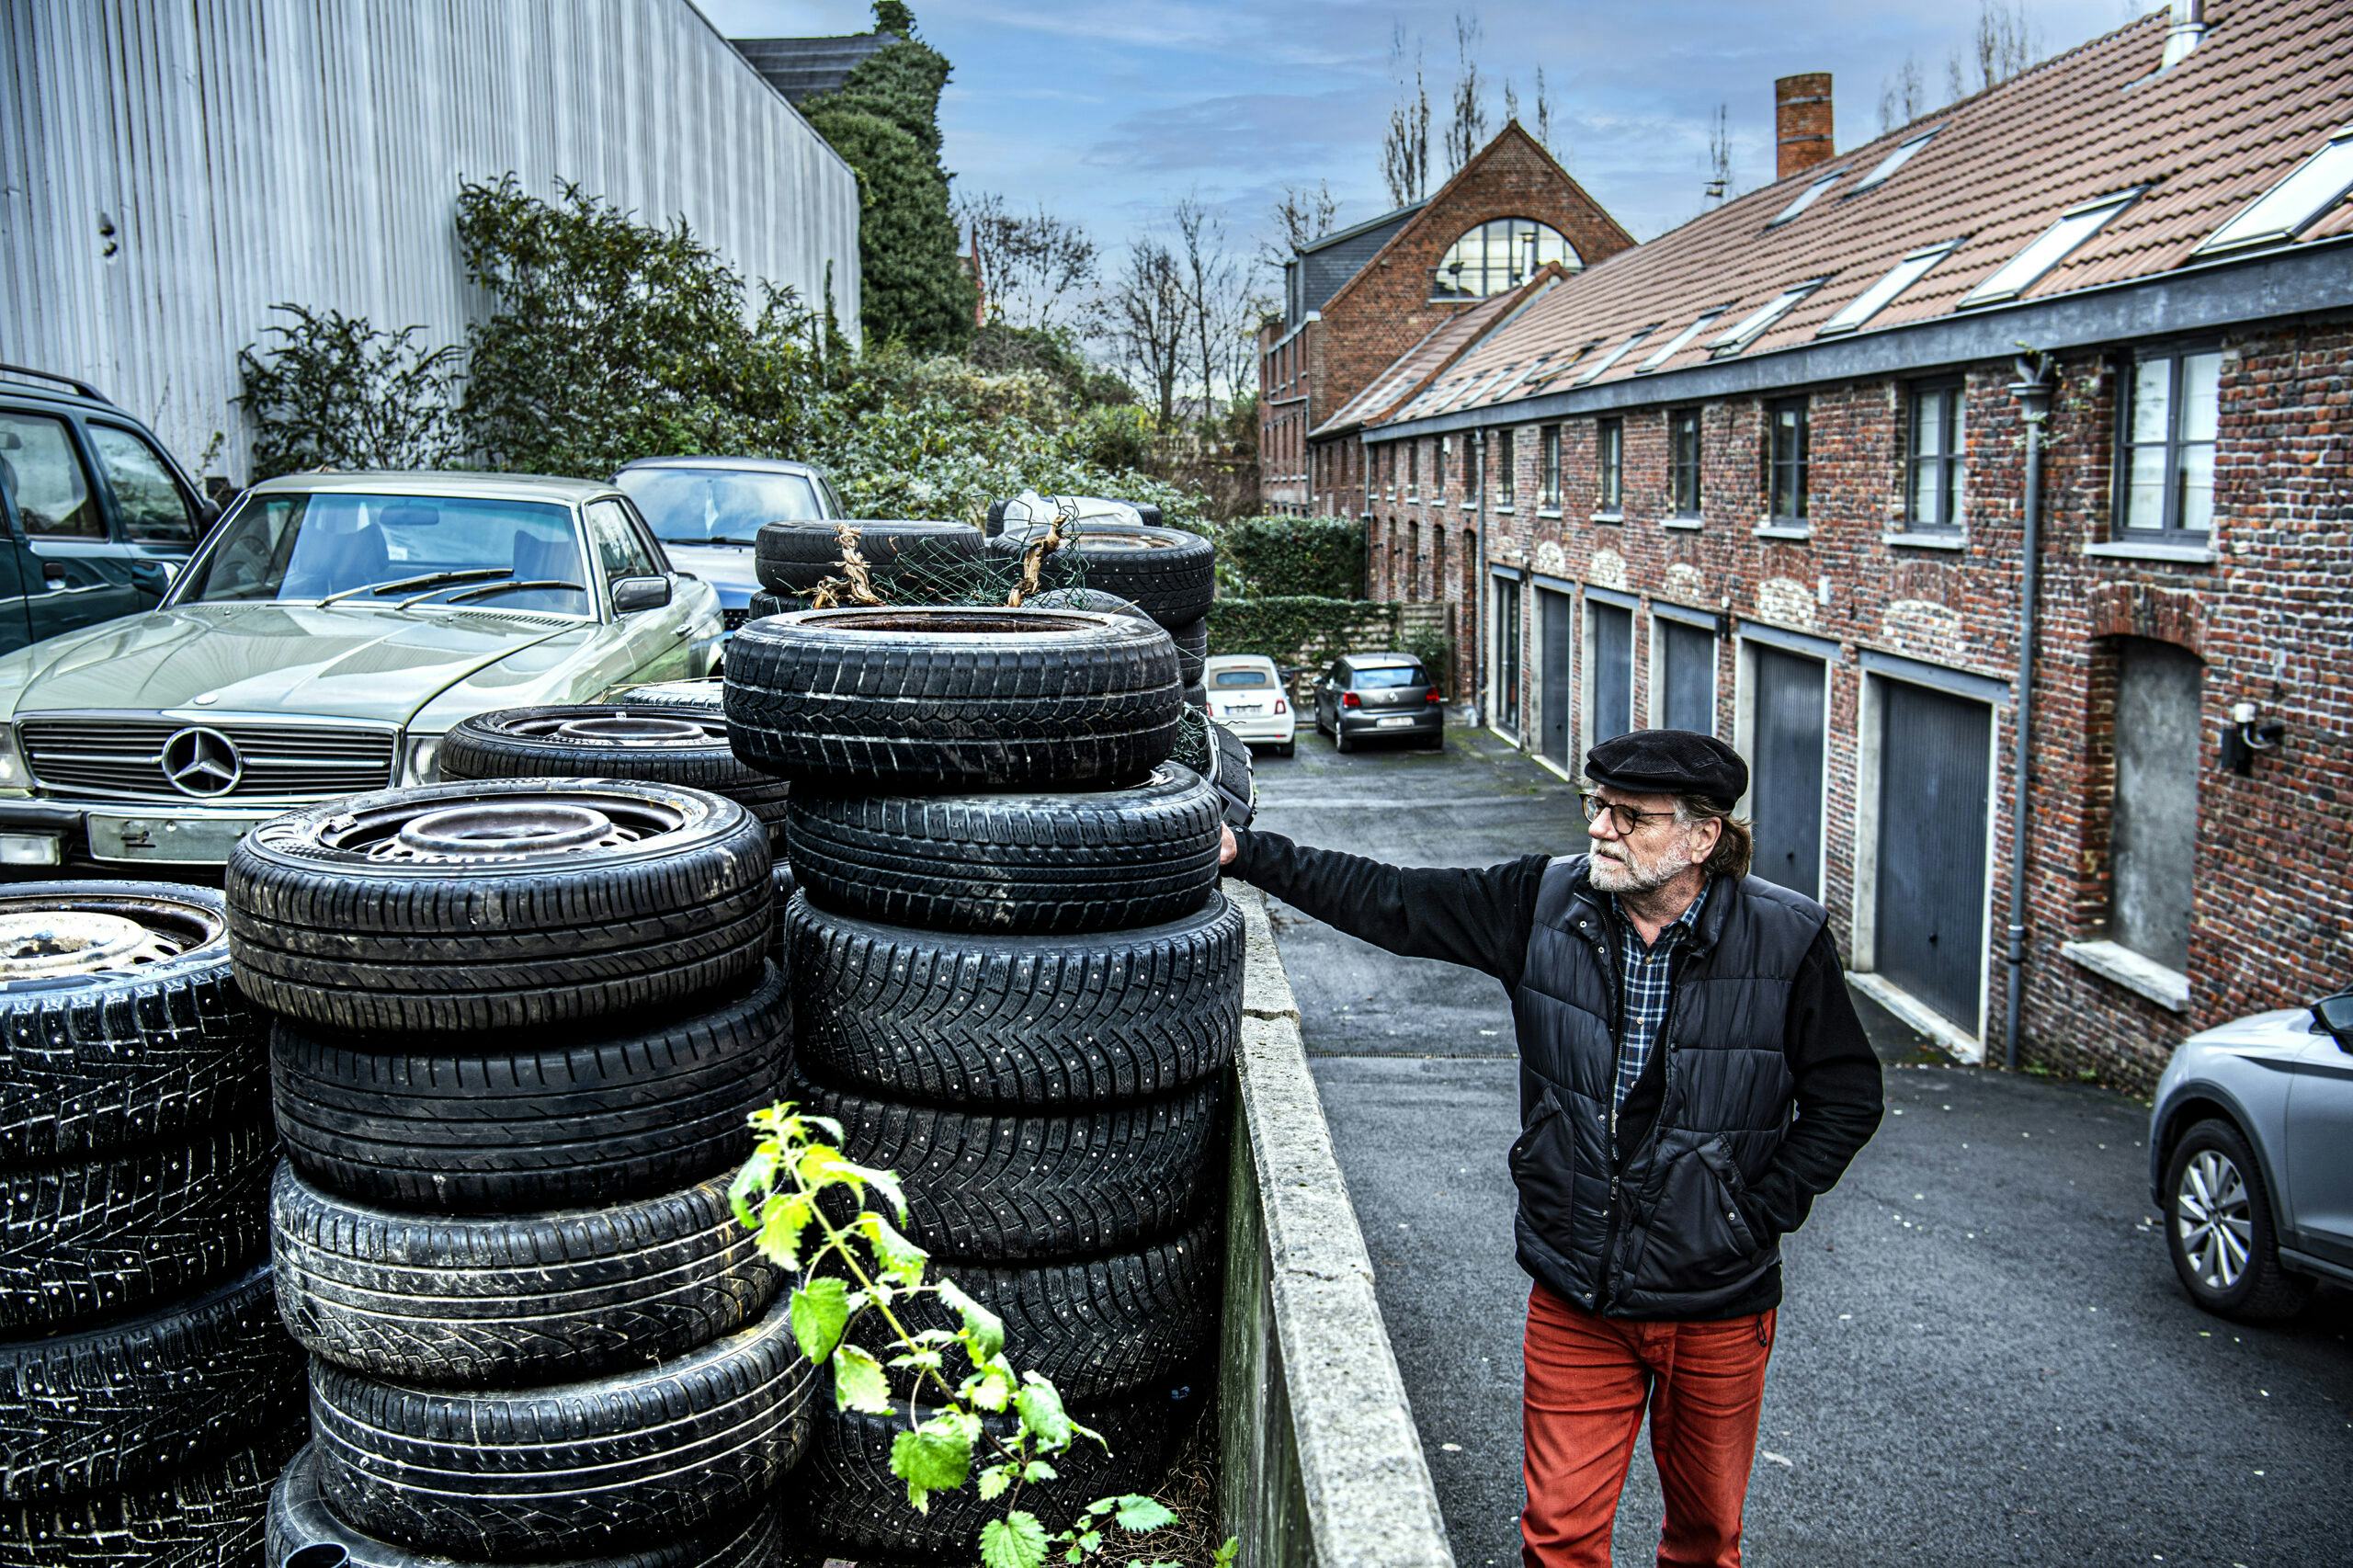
(336, 392)
(1283, 557)
(1431, 645)
(1302, 630)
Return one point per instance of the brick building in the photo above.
(1354, 300)
(1774, 474)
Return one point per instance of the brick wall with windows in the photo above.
(2263, 601)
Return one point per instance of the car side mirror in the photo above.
(633, 594)
(2333, 1015)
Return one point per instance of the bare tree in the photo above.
(1466, 127)
(1302, 217)
(1406, 146)
(1038, 271)
(1719, 184)
(1904, 96)
(1218, 306)
(2006, 42)
(1148, 315)
(1544, 134)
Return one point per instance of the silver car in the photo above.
(2251, 1158)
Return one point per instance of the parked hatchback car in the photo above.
(1378, 695)
(329, 631)
(1245, 694)
(94, 516)
(708, 511)
(2251, 1158)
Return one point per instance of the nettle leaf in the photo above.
(1142, 1515)
(1017, 1540)
(994, 1481)
(1037, 1469)
(1040, 1409)
(901, 1259)
(860, 1383)
(820, 1310)
(887, 1184)
(757, 1176)
(921, 1361)
(784, 1218)
(935, 1457)
(990, 1388)
(983, 1330)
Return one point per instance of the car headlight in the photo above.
(13, 773)
(421, 764)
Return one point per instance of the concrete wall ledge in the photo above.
(1322, 1464)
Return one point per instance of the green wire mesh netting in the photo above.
(936, 572)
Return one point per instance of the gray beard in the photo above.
(1625, 876)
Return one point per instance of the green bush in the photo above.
(1284, 557)
(333, 392)
(1431, 645)
(1302, 629)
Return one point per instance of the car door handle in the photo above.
(53, 570)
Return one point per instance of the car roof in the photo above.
(744, 465)
(443, 483)
(42, 386)
(1377, 660)
(1238, 659)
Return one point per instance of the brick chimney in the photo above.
(1801, 121)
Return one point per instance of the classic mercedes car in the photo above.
(329, 631)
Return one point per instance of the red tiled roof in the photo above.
(1439, 348)
(2271, 82)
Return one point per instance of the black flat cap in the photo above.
(1669, 762)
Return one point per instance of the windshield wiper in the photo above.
(713, 538)
(472, 575)
(503, 587)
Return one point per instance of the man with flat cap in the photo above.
(1692, 1077)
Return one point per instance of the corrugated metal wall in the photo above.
(169, 169)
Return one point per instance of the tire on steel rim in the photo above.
(1043, 1022)
(931, 698)
(299, 1517)
(504, 1302)
(664, 745)
(709, 691)
(118, 1021)
(1019, 1186)
(457, 1126)
(794, 557)
(1072, 860)
(498, 904)
(599, 1463)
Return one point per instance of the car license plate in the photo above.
(1397, 723)
(1245, 708)
(203, 841)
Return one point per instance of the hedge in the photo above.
(1304, 630)
(1293, 557)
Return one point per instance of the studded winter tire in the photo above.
(209, 1515)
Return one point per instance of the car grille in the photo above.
(123, 758)
(736, 617)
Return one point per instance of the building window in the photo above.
(2165, 481)
(1609, 436)
(1444, 451)
(1785, 460)
(2153, 824)
(1413, 469)
(1932, 458)
(1548, 486)
(1507, 701)
(1498, 255)
(1508, 487)
(1683, 461)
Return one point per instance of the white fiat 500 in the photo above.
(1247, 696)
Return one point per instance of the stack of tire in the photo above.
(1168, 574)
(147, 1394)
(518, 1026)
(906, 559)
(1019, 989)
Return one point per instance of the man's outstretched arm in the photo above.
(1477, 917)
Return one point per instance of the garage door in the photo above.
(1686, 658)
(1613, 670)
(1934, 753)
(1785, 774)
(1555, 617)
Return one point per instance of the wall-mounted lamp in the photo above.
(2244, 736)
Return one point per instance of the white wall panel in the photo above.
(249, 152)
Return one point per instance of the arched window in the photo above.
(1498, 255)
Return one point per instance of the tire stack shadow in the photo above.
(148, 1396)
(1020, 990)
(519, 1024)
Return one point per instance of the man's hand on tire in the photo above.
(1226, 847)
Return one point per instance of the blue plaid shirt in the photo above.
(1643, 974)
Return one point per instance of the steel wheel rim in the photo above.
(494, 829)
(2214, 1220)
(44, 940)
(620, 727)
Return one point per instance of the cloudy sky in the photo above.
(1109, 111)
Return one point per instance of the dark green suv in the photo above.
(94, 516)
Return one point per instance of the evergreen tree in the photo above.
(884, 120)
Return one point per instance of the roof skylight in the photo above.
(1873, 300)
(2288, 208)
(2048, 249)
(1751, 326)
(1600, 367)
(1680, 341)
(1895, 159)
(1807, 198)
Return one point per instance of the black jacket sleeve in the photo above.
(1838, 1094)
(1478, 917)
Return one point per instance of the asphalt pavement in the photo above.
(1983, 1357)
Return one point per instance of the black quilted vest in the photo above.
(1666, 1238)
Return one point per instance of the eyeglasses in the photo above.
(1624, 818)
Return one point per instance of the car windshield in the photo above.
(1384, 676)
(1240, 677)
(298, 547)
(716, 506)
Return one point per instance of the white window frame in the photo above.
(2066, 235)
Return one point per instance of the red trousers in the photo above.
(1586, 1382)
